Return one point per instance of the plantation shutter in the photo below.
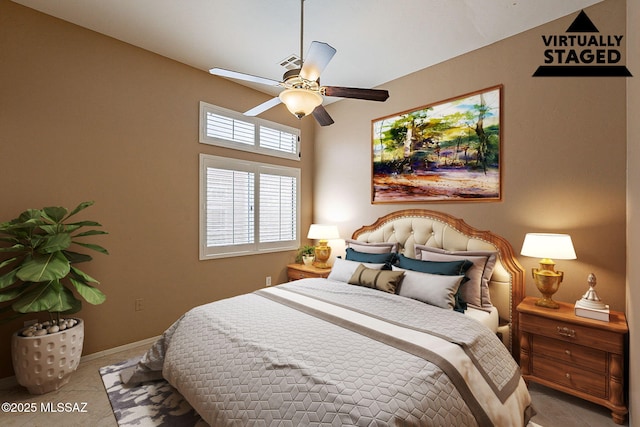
(230, 207)
(226, 128)
(277, 208)
(275, 139)
(229, 129)
(247, 207)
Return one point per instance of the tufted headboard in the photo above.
(419, 226)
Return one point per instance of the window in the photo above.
(247, 207)
(230, 129)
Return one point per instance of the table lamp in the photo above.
(547, 246)
(322, 233)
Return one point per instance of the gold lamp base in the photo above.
(547, 281)
(323, 252)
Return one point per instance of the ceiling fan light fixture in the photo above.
(300, 102)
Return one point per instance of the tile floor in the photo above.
(554, 409)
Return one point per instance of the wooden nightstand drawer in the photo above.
(297, 275)
(571, 332)
(570, 376)
(301, 271)
(572, 354)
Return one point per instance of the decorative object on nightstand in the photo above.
(576, 355)
(547, 246)
(302, 271)
(306, 254)
(322, 233)
(590, 305)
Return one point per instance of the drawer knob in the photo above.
(567, 352)
(568, 375)
(566, 332)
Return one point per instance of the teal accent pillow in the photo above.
(387, 259)
(446, 268)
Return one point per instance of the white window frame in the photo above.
(257, 247)
(248, 144)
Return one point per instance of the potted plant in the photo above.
(306, 254)
(40, 274)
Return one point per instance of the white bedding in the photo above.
(320, 352)
(490, 319)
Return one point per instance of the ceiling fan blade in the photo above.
(353, 92)
(318, 57)
(263, 107)
(242, 76)
(321, 116)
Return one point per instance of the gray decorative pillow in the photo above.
(343, 269)
(383, 280)
(433, 289)
(476, 290)
(371, 248)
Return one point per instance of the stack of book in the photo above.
(586, 310)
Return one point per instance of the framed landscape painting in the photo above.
(444, 152)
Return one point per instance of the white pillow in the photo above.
(475, 291)
(433, 289)
(343, 269)
(372, 248)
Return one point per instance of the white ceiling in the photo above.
(376, 40)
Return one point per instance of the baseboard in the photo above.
(110, 351)
(9, 382)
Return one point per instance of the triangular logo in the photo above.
(582, 24)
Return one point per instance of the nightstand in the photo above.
(301, 271)
(576, 355)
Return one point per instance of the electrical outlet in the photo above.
(138, 304)
(267, 281)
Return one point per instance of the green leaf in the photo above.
(9, 295)
(81, 275)
(80, 207)
(74, 304)
(55, 213)
(54, 243)
(44, 268)
(85, 224)
(30, 214)
(14, 248)
(70, 228)
(76, 257)
(7, 262)
(42, 297)
(89, 233)
(51, 228)
(8, 279)
(89, 293)
(92, 246)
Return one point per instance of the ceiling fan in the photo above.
(302, 92)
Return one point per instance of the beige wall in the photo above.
(86, 117)
(563, 153)
(633, 207)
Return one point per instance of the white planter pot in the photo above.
(45, 363)
(308, 259)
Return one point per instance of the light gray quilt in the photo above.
(324, 353)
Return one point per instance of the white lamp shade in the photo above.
(548, 245)
(323, 232)
(300, 102)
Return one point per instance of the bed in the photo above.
(366, 346)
